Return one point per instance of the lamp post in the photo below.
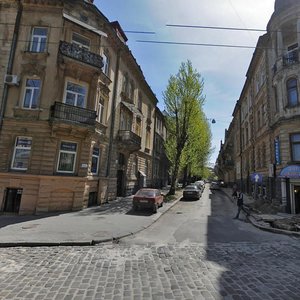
(213, 121)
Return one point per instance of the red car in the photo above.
(148, 198)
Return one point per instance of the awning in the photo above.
(132, 108)
(142, 173)
(87, 26)
(290, 172)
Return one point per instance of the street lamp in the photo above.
(213, 121)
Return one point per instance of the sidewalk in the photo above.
(89, 226)
(264, 221)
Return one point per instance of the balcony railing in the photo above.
(80, 54)
(291, 58)
(72, 113)
(129, 139)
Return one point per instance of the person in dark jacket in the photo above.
(240, 204)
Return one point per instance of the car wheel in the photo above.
(162, 204)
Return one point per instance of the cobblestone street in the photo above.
(176, 271)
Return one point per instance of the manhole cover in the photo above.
(179, 212)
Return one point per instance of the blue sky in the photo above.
(223, 69)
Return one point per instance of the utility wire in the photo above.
(143, 32)
(215, 27)
(195, 44)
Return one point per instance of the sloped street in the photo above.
(194, 251)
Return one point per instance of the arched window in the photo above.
(292, 92)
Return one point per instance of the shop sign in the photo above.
(277, 151)
(290, 172)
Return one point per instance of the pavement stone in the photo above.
(232, 271)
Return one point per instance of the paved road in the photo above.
(172, 264)
(208, 220)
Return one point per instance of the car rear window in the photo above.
(191, 187)
(145, 193)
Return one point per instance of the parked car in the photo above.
(222, 183)
(148, 198)
(214, 185)
(200, 184)
(191, 192)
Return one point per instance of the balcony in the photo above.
(74, 114)
(75, 52)
(128, 141)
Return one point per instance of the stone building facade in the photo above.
(77, 115)
(266, 118)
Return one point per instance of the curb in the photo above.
(86, 243)
(267, 228)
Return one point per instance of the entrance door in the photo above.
(297, 198)
(120, 179)
(12, 200)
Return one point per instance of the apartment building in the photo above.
(267, 115)
(77, 115)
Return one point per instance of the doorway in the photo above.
(120, 179)
(12, 200)
(297, 198)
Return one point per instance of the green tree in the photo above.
(188, 139)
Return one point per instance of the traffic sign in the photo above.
(256, 178)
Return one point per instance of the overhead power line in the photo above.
(215, 27)
(195, 44)
(143, 32)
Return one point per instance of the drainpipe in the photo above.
(241, 147)
(154, 147)
(113, 114)
(11, 61)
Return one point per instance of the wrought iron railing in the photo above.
(72, 113)
(291, 58)
(81, 54)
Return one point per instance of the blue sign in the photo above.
(277, 151)
(256, 177)
(290, 172)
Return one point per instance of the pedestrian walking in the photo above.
(234, 192)
(240, 204)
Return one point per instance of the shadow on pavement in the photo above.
(10, 219)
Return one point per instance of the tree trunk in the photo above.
(175, 173)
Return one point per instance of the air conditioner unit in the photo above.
(11, 79)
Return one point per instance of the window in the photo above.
(105, 68)
(131, 91)
(21, 153)
(295, 145)
(67, 157)
(75, 94)
(134, 166)
(31, 95)
(126, 121)
(292, 92)
(258, 118)
(38, 39)
(148, 138)
(100, 111)
(95, 160)
(276, 99)
(80, 41)
(140, 101)
(125, 84)
(138, 127)
(149, 112)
